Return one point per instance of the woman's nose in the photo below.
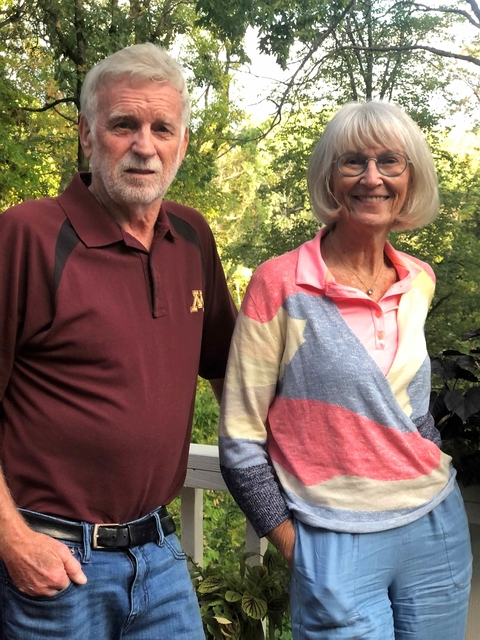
(371, 175)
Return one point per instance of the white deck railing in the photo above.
(204, 473)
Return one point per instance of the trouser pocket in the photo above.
(324, 578)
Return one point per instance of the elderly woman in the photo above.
(326, 440)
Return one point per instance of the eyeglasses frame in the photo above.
(367, 160)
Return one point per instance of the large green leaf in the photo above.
(211, 584)
(255, 608)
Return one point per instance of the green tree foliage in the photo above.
(33, 144)
(69, 37)
(452, 246)
(342, 50)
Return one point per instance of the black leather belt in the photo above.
(103, 536)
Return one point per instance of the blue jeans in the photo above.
(409, 583)
(142, 593)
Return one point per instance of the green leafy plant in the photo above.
(455, 406)
(234, 604)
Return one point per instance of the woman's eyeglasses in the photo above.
(389, 164)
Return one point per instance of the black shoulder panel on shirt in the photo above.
(187, 231)
(66, 242)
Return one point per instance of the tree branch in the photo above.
(435, 306)
(457, 12)
(73, 121)
(50, 105)
(16, 16)
(475, 8)
(319, 41)
(419, 47)
(67, 49)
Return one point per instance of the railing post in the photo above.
(204, 473)
(192, 523)
(254, 544)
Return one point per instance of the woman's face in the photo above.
(371, 199)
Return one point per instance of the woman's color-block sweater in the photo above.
(310, 426)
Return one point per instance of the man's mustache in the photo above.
(142, 165)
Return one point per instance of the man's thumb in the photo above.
(74, 571)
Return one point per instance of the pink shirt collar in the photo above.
(313, 272)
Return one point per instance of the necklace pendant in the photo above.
(370, 291)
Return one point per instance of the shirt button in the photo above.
(378, 313)
(380, 335)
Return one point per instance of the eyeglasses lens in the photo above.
(388, 164)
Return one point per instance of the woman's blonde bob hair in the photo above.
(138, 62)
(358, 126)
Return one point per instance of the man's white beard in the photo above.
(123, 187)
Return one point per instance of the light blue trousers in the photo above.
(409, 583)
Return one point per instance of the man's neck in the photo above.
(137, 219)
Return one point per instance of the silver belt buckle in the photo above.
(96, 527)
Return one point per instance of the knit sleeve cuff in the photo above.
(258, 495)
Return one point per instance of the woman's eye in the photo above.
(390, 160)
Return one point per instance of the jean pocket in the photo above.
(9, 588)
(26, 616)
(56, 596)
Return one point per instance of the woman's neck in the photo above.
(363, 253)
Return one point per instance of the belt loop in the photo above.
(161, 537)
(86, 551)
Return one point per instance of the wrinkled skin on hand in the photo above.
(39, 565)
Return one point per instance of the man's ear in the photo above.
(183, 146)
(85, 136)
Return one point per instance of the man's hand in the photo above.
(283, 538)
(39, 565)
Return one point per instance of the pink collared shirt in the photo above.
(374, 323)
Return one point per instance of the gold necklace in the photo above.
(369, 289)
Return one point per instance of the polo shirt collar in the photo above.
(92, 222)
(312, 270)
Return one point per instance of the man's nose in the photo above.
(143, 143)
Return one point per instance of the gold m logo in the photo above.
(197, 301)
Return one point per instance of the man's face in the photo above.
(138, 142)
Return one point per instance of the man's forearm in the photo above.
(12, 525)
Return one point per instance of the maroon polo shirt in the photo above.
(101, 342)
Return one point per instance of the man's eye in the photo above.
(122, 125)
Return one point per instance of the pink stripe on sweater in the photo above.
(270, 297)
(315, 442)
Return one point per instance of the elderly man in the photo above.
(111, 302)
